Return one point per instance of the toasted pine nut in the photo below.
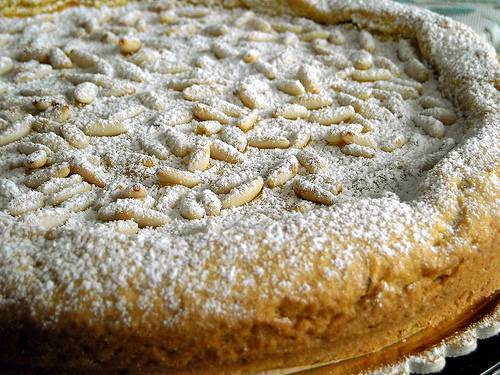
(223, 151)
(48, 218)
(23, 203)
(416, 70)
(74, 136)
(80, 202)
(314, 34)
(337, 60)
(243, 193)
(125, 210)
(118, 89)
(430, 125)
(268, 142)
(225, 107)
(127, 227)
(309, 77)
(58, 59)
(129, 44)
(431, 102)
(102, 128)
(406, 92)
(83, 59)
(154, 148)
(313, 101)
(144, 56)
(366, 41)
(313, 192)
(259, 36)
(266, 69)
(35, 72)
(40, 54)
(235, 137)
(329, 116)
(90, 173)
(190, 208)
(127, 70)
(85, 93)
(16, 130)
(199, 158)
(105, 68)
(177, 142)
(6, 65)
(336, 37)
(301, 138)
(251, 99)
(310, 161)
(134, 191)
(351, 88)
(30, 147)
(405, 50)
(168, 17)
(368, 126)
(152, 101)
(251, 56)
(384, 62)
(261, 25)
(36, 159)
(43, 103)
(362, 60)
(291, 87)
(291, 111)
(56, 184)
(343, 134)
(283, 172)
(211, 202)
(204, 112)
(376, 74)
(224, 184)
(173, 176)
(127, 113)
(216, 30)
(397, 142)
(40, 176)
(221, 50)
(321, 47)
(446, 116)
(286, 27)
(54, 142)
(248, 121)
(62, 195)
(357, 150)
(208, 128)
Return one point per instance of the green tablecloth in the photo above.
(483, 16)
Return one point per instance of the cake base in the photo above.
(415, 344)
(449, 308)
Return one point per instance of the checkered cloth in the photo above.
(483, 16)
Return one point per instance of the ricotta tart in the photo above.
(240, 186)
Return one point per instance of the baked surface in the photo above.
(369, 245)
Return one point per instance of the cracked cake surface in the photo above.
(223, 185)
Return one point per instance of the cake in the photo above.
(242, 186)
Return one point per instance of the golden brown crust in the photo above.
(330, 324)
(435, 296)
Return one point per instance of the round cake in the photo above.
(240, 186)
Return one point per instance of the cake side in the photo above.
(455, 244)
(337, 332)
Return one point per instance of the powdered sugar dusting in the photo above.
(101, 241)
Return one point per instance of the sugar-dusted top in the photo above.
(174, 159)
